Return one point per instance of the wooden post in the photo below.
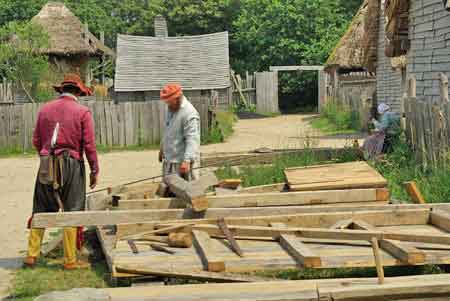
(102, 39)
(86, 35)
(443, 87)
(414, 192)
(412, 86)
(378, 260)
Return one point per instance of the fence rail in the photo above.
(427, 124)
(123, 124)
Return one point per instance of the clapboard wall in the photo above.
(429, 33)
(389, 81)
(123, 124)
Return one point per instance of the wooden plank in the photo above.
(226, 232)
(206, 250)
(108, 123)
(190, 192)
(267, 199)
(93, 218)
(297, 249)
(440, 219)
(334, 176)
(395, 288)
(199, 275)
(378, 260)
(405, 253)
(414, 192)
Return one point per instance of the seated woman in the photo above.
(386, 132)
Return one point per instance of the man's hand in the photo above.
(93, 181)
(185, 167)
(161, 156)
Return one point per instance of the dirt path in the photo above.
(18, 174)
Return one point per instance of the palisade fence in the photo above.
(243, 90)
(123, 124)
(427, 124)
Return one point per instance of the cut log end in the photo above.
(199, 204)
(216, 266)
(180, 240)
(312, 262)
(383, 194)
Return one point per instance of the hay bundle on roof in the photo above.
(397, 42)
(370, 40)
(67, 35)
(357, 48)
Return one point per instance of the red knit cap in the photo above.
(72, 79)
(171, 92)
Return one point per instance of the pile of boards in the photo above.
(272, 227)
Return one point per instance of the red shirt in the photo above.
(76, 130)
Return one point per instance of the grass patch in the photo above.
(337, 119)
(46, 277)
(254, 175)
(401, 166)
(329, 128)
(223, 128)
(309, 273)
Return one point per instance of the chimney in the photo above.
(160, 27)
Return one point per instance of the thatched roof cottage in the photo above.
(199, 63)
(71, 45)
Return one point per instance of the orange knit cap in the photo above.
(171, 92)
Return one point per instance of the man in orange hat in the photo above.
(180, 146)
(64, 132)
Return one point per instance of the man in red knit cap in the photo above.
(180, 146)
(63, 133)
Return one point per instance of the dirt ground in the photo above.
(18, 174)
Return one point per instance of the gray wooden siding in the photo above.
(429, 55)
(389, 81)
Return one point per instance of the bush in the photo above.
(342, 117)
(223, 128)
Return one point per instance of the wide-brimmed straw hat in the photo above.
(74, 80)
(171, 92)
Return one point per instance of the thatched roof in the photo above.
(67, 35)
(196, 62)
(357, 48)
(397, 41)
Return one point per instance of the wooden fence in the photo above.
(427, 124)
(6, 92)
(267, 92)
(123, 124)
(243, 90)
(355, 92)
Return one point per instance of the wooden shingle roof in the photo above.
(196, 62)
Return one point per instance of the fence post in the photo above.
(443, 87)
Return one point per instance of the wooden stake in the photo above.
(414, 192)
(161, 249)
(378, 260)
(233, 243)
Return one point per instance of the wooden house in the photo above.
(145, 64)
(71, 44)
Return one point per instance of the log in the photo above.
(440, 219)
(192, 192)
(99, 218)
(268, 199)
(206, 250)
(180, 240)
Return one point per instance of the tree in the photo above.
(20, 58)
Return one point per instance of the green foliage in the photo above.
(47, 277)
(254, 175)
(337, 119)
(223, 128)
(401, 166)
(19, 58)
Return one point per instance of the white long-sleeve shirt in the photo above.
(181, 140)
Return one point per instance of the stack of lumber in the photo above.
(351, 175)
